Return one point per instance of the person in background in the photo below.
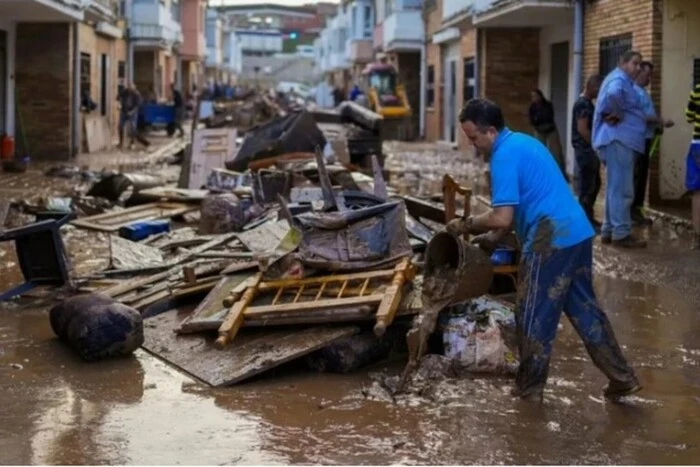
(130, 101)
(179, 104)
(355, 92)
(654, 124)
(338, 96)
(619, 125)
(541, 114)
(587, 162)
(529, 194)
(692, 173)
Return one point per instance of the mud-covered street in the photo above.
(58, 409)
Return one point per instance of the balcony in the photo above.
(454, 8)
(214, 58)
(102, 10)
(403, 31)
(42, 10)
(360, 50)
(153, 26)
(522, 13)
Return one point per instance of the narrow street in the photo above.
(59, 410)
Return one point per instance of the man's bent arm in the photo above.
(499, 218)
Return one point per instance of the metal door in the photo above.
(450, 92)
(559, 88)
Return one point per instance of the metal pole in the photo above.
(130, 42)
(75, 120)
(578, 46)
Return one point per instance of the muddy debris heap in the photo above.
(291, 244)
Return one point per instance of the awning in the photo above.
(41, 10)
(525, 13)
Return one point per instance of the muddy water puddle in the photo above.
(57, 409)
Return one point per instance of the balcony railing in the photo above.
(360, 50)
(452, 8)
(155, 32)
(522, 13)
(403, 30)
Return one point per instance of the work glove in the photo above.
(459, 226)
(486, 242)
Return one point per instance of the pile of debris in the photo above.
(278, 249)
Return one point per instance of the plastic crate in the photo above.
(158, 114)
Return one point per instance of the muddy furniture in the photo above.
(40, 254)
(344, 296)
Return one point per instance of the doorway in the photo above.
(3, 81)
(559, 88)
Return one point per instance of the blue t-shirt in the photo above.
(525, 175)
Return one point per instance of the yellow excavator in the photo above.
(387, 97)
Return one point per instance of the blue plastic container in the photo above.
(503, 256)
(140, 230)
(158, 114)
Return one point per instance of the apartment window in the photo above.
(469, 79)
(696, 72)
(610, 50)
(389, 8)
(121, 76)
(430, 87)
(175, 10)
(85, 74)
(367, 17)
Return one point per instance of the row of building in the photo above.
(54, 54)
(447, 51)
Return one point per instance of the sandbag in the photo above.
(221, 214)
(97, 326)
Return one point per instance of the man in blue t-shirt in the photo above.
(528, 192)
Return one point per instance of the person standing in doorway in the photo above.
(529, 194)
(692, 174)
(619, 125)
(587, 162)
(541, 114)
(179, 104)
(130, 102)
(654, 124)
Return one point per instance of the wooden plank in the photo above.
(212, 304)
(254, 351)
(302, 307)
(138, 282)
(113, 221)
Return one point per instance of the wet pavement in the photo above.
(58, 410)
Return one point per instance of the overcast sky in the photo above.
(281, 2)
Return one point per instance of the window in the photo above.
(85, 74)
(175, 10)
(696, 72)
(610, 50)
(430, 87)
(469, 79)
(367, 18)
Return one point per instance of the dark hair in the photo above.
(483, 113)
(647, 64)
(593, 79)
(541, 94)
(629, 55)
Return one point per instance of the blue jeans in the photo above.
(552, 282)
(132, 120)
(619, 190)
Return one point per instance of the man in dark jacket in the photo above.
(179, 104)
(130, 102)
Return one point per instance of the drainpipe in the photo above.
(477, 64)
(129, 42)
(578, 46)
(75, 108)
(423, 83)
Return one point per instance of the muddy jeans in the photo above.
(552, 282)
